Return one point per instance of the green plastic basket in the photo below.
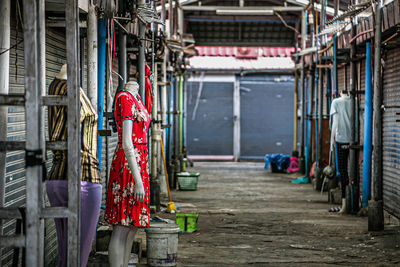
(187, 221)
(187, 181)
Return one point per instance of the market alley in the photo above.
(249, 216)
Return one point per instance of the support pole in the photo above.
(354, 183)
(171, 18)
(335, 68)
(302, 93)
(92, 54)
(141, 59)
(367, 151)
(4, 88)
(320, 117)
(375, 205)
(295, 119)
(123, 60)
(155, 139)
(74, 144)
(181, 119)
(236, 119)
(101, 35)
(310, 129)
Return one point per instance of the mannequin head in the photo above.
(344, 93)
(132, 87)
(62, 75)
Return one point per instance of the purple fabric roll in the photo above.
(57, 191)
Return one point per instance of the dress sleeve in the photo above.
(127, 106)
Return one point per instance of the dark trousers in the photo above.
(342, 157)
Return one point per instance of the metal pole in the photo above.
(180, 104)
(180, 21)
(236, 119)
(295, 120)
(375, 205)
(171, 18)
(302, 92)
(4, 85)
(367, 152)
(310, 129)
(320, 116)
(163, 15)
(92, 54)
(176, 125)
(141, 59)
(101, 36)
(155, 138)
(122, 54)
(353, 118)
(321, 94)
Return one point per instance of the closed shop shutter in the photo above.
(210, 119)
(391, 133)
(266, 113)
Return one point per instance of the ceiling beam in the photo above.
(260, 8)
(329, 10)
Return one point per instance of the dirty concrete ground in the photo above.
(251, 217)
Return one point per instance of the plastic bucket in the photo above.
(187, 221)
(162, 244)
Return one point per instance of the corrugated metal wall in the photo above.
(391, 132)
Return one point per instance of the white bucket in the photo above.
(162, 244)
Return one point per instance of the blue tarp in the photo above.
(281, 161)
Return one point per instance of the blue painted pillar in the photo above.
(101, 63)
(367, 152)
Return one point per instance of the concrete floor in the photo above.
(249, 216)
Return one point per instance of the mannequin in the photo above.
(57, 180)
(341, 136)
(128, 196)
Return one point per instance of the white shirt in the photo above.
(342, 108)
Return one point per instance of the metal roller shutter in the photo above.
(391, 133)
(210, 129)
(266, 112)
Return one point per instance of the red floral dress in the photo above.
(121, 207)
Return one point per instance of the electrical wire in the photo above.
(284, 22)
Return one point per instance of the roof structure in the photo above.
(242, 58)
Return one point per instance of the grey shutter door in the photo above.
(391, 133)
(266, 113)
(210, 121)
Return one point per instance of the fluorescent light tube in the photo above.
(244, 12)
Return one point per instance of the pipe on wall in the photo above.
(367, 152)
(101, 65)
